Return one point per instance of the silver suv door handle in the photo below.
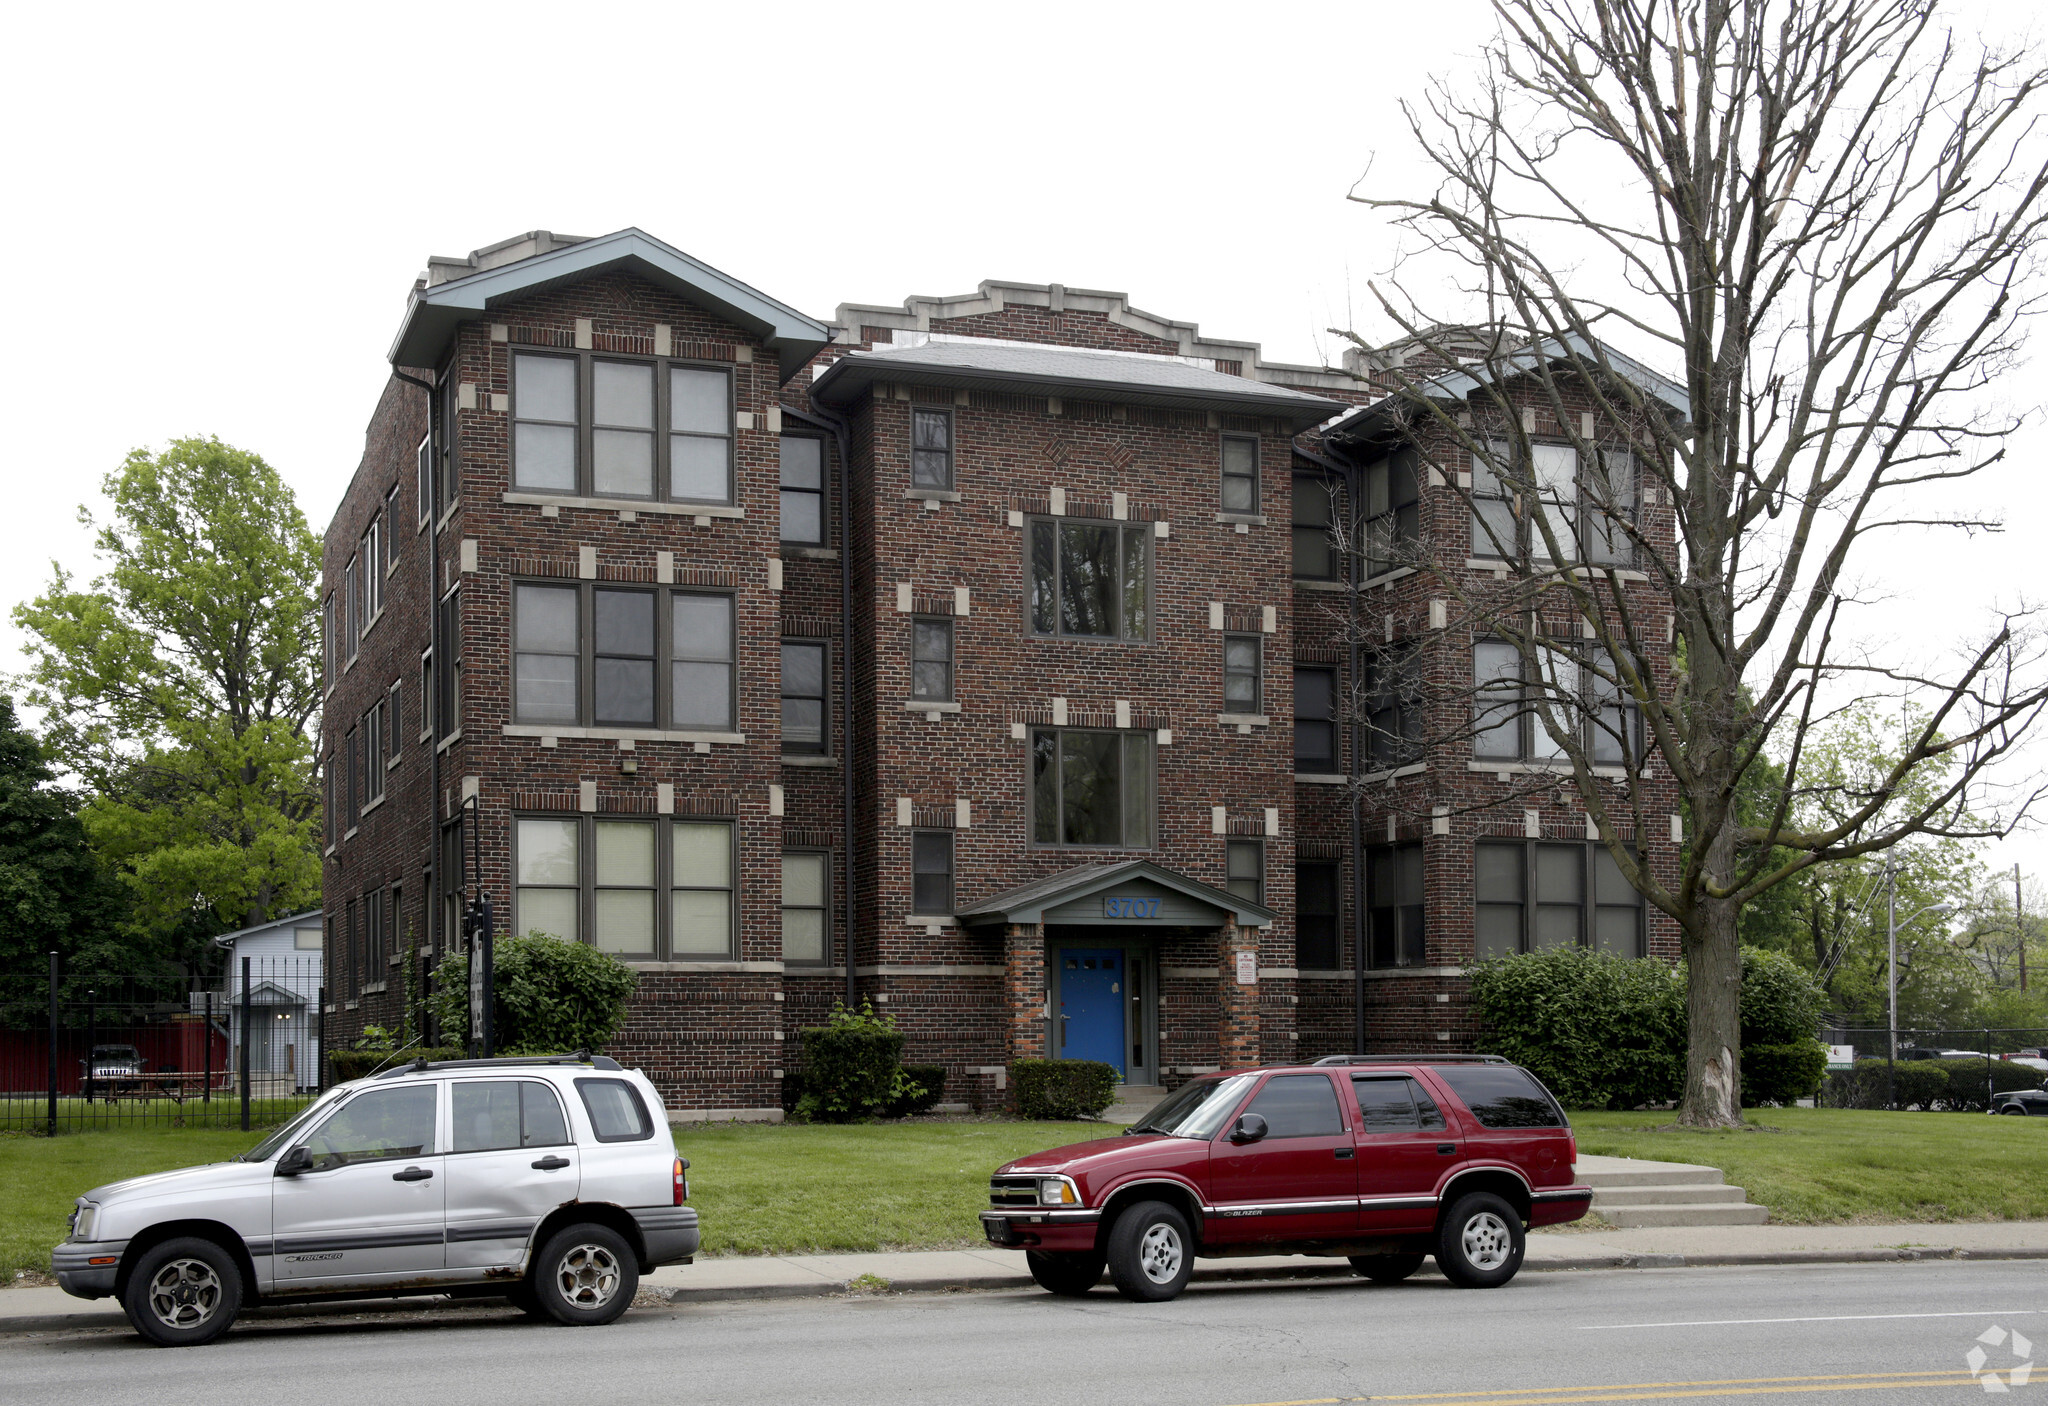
(412, 1174)
(551, 1164)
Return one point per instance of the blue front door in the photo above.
(1092, 998)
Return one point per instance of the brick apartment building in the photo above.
(989, 646)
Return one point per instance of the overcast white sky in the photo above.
(217, 210)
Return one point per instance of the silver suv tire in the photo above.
(586, 1274)
(183, 1292)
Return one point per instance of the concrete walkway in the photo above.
(46, 1309)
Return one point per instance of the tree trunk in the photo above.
(1713, 1012)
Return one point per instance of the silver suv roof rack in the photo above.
(1414, 1059)
(419, 1066)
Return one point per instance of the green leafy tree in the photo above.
(553, 997)
(182, 687)
(55, 894)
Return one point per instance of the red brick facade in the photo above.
(719, 1032)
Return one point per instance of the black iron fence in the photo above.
(1954, 1070)
(242, 1049)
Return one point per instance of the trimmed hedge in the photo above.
(1782, 1074)
(1600, 1031)
(360, 1064)
(1054, 1089)
(1921, 1082)
(1965, 1092)
(852, 1067)
(930, 1080)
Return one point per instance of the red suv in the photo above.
(1381, 1159)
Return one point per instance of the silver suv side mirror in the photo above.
(295, 1161)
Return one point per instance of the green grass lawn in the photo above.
(798, 1190)
(1836, 1166)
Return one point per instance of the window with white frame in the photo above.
(373, 573)
(392, 536)
(423, 481)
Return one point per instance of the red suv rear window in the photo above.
(1501, 1095)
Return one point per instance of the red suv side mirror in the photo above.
(1250, 1127)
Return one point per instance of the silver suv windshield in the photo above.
(1197, 1110)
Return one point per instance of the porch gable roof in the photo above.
(1029, 903)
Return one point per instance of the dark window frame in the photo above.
(663, 659)
(330, 647)
(394, 724)
(1250, 479)
(823, 698)
(946, 455)
(1125, 737)
(1571, 518)
(1234, 849)
(352, 595)
(662, 431)
(1393, 705)
(586, 887)
(822, 493)
(1334, 871)
(448, 672)
(633, 1094)
(1257, 674)
(1533, 899)
(448, 466)
(423, 481)
(392, 536)
(1607, 722)
(372, 556)
(931, 839)
(825, 905)
(1397, 931)
(1393, 511)
(1331, 492)
(946, 624)
(372, 733)
(1126, 533)
(1335, 757)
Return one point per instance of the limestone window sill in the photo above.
(708, 965)
(1396, 773)
(811, 553)
(1243, 719)
(620, 734)
(1309, 583)
(625, 505)
(1320, 778)
(804, 759)
(926, 705)
(1507, 769)
(938, 495)
(1243, 519)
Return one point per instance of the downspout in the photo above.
(427, 709)
(1352, 570)
(825, 420)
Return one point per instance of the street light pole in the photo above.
(1891, 989)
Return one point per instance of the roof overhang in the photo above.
(1081, 894)
(849, 376)
(1385, 416)
(433, 314)
(295, 920)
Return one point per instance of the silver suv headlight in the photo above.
(84, 1220)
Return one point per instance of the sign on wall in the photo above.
(1130, 907)
(1247, 969)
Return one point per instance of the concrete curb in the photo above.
(1224, 1274)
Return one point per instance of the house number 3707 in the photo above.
(1130, 907)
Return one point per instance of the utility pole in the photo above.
(1891, 988)
(2019, 923)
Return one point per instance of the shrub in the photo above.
(1780, 1004)
(1053, 1089)
(930, 1080)
(1921, 1084)
(1601, 1031)
(1782, 1074)
(852, 1066)
(1966, 1093)
(359, 1064)
(551, 996)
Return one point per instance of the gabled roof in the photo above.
(1460, 383)
(1028, 903)
(969, 363)
(435, 310)
(227, 939)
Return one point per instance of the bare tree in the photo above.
(1824, 217)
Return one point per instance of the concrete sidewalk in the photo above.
(48, 1309)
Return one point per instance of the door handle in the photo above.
(412, 1174)
(1344, 1153)
(551, 1164)
(1447, 1149)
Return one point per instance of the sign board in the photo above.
(1841, 1056)
(1247, 969)
(476, 989)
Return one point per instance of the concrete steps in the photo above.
(1630, 1193)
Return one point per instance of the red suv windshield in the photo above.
(1197, 1110)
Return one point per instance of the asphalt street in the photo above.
(1873, 1334)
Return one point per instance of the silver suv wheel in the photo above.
(588, 1275)
(184, 1294)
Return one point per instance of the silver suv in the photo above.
(553, 1182)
